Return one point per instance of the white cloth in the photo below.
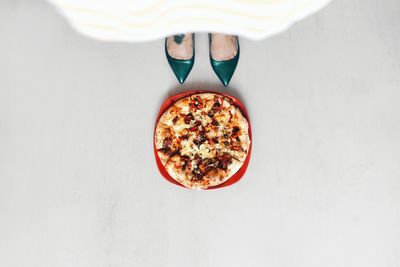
(143, 20)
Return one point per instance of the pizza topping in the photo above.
(170, 147)
(196, 103)
(236, 133)
(185, 158)
(188, 118)
(215, 107)
(175, 119)
(198, 158)
(229, 100)
(193, 129)
(186, 161)
(210, 164)
(230, 117)
(167, 143)
(197, 174)
(200, 139)
(224, 160)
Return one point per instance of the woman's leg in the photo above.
(180, 46)
(223, 46)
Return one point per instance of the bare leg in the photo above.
(180, 46)
(223, 46)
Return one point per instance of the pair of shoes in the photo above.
(223, 68)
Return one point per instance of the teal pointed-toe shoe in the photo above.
(180, 67)
(224, 68)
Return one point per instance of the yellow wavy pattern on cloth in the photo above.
(133, 20)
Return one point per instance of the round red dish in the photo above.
(171, 100)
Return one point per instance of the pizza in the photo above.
(202, 140)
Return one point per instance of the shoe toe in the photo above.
(225, 69)
(181, 69)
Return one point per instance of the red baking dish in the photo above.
(171, 100)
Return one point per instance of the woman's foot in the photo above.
(180, 46)
(224, 55)
(223, 46)
(179, 50)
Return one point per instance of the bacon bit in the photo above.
(208, 165)
(167, 143)
(215, 123)
(185, 158)
(216, 107)
(202, 137)
(186, 161)
(195, 126)
(198, 158)
(163, 150)
(175, 119)
(168, 152)
(229, 100)
(193, 129)
(196, 103)
(209, 168)
(170, 148)
(230, 116)
(197, 143)
(224, 161)
(235, 130)
(188, 118)
(215, 140)
(197, 175)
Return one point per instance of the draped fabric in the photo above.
(135, 20)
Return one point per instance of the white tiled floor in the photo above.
(78, 183)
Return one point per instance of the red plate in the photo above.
(169, 102)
